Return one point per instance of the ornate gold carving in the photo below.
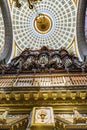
(7, 97)
(27, 96)
(63, 95)
(42, 117)
(54, 96)
(45, 96)
(36, 96)
(78, 117)
(18, 3)
(83, 95)
(17, 96)
(73, 95)
(15, 123)
(3, 117)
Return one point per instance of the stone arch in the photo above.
(8, 31)
(82, 45)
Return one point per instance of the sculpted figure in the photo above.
(78, 118)
(3, 117)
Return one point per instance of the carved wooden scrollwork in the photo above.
(44, 60)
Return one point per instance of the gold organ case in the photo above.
(52, 88)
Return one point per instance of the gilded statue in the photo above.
(78, 118)
(3, 116)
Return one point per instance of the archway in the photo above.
(8, 31)
(82, 45)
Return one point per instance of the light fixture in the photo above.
(31, 3)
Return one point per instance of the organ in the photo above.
(42, 78)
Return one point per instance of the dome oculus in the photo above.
(43, 23)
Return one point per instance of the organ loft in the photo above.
(43, 65)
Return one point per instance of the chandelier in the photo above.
(31, 3)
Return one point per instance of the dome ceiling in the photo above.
(51, 23)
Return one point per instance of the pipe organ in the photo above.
(43, 80)
(37, 79)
